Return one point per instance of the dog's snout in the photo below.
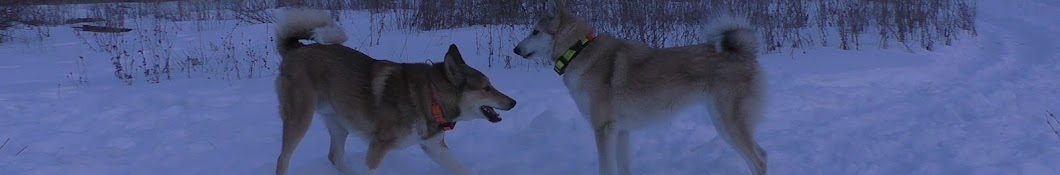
(511, 104)
(516, 50)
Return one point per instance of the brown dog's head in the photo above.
(476, 96)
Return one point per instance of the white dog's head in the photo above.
(556, 29)
(538, 44)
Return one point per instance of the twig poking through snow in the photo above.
(5, 143)
(1050, 119)
(23, 149)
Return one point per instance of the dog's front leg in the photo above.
(623, 153)
(377, 150)
(439, 152)
(606, 131)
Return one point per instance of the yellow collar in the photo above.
(564, 60)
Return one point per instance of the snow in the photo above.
(977, 107)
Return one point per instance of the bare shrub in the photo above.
(79, 75)
(113, 44)
(783, 23)
(434, 15)
(319, 4)
(11, 12)
(145, 53)
(251, 11)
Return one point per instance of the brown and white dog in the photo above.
(389, 105)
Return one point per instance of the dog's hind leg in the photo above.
(297, 102)
(338, 144)
(733, 116)
(623, 153)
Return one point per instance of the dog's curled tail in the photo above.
(732, 34)
(298, 24)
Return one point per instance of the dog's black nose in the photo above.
(516, 50)
(512, 104)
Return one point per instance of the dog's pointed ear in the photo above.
(454, 65)
(550, 10)
(559, 6)
(555, 9)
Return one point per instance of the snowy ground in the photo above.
(977, 107)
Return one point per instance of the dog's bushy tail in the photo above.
(298, 24)
(732, 34)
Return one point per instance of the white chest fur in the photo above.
(579, 94)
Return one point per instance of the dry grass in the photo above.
(783, 25)
(10, 14)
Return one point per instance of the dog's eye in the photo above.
(535, 32)
(487, 88)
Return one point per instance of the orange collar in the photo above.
(436, 111)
